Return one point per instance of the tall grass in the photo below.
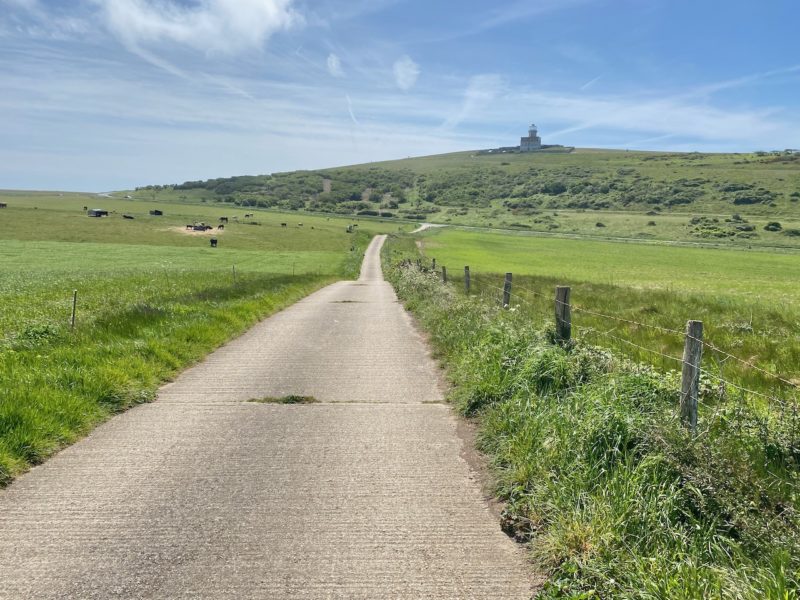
(611, 494)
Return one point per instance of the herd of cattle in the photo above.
(197, 226)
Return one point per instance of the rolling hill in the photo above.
(720, 198)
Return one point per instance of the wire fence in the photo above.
(510, 295)
(733, 415)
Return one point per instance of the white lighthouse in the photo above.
(532, 141)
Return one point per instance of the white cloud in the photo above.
(479, 95)
(350, 110)
(335, 66)
(590, 83)
(226, 26)
(406, 73)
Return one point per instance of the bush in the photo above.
(772, 226)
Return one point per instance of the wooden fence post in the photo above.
(444, 274)
(690, 374)
(466, 280)
(507, 291)
(74, 307)
(563, 316)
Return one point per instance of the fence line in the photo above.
(709, 345)
(692, 349)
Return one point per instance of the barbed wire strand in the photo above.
(705, 343)
(772, 399)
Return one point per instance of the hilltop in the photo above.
(676, 196)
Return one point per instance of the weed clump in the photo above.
(290, 399)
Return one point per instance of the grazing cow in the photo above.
(213, 242)
(190, 227)
(221, 227)
(127, 216)
(223, 219)
(299, 224)
(283, 224)
(248, 216)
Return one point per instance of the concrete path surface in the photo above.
(203, 494)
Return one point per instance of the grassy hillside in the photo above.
(719, 198)
(152, 298)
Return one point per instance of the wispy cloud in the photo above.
(406, 73)
(350, 110)
(525, 9)
(504, 14)
(751, 79)
(335, 65)
(479, 94)
(589, 84)
(226, 26)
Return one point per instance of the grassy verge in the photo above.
(55, 385)
(144, 313)
(602, 482)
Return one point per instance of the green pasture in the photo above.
(747, 300)
(766, 278)
(152, 299)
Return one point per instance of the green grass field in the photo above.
(746, 299)
(152, 299)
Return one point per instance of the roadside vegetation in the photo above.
(151, 301)
(612, 495)
(747, 301)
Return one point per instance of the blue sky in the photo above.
(107, 94)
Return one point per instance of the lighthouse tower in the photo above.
(532, 141)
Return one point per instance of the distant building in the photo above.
(532, 141)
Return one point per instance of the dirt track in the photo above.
(203, 494)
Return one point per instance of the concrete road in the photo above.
(203, 494)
